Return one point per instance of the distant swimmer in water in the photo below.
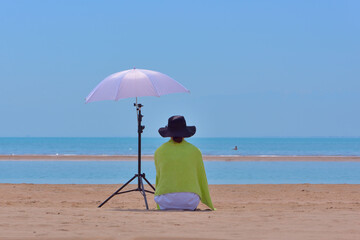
(235, 148)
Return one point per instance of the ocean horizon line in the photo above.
(208, 146)
(194, 137)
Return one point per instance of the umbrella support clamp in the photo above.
(140, 176)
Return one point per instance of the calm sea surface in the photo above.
(106, 172)
(208, 146)
(97, 172)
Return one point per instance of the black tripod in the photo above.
(140, 176)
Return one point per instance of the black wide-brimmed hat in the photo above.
(177, 128)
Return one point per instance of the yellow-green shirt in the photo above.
(180, 168)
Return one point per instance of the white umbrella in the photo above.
(135, 83)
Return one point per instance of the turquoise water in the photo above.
(97, 172)
(208, 146)
(106, 172)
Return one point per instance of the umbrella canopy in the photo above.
(134, 83)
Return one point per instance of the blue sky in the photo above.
(254, 68)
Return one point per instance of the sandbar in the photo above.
(151, 158)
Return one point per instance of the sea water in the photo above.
(208, 146)
(218, 172)
(98, 172)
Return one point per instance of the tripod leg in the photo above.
(143, 176)
(143, 192)
(149, 191)
(117, 191)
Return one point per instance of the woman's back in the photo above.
(179, 168)
(176, 166)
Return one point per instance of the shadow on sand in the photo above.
(156, 210)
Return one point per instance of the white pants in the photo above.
(178, 201)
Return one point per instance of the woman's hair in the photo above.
(177, 139)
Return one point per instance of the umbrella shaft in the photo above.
(139, 152)
(140, 130)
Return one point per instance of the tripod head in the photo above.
(139, 116)
(138, 106)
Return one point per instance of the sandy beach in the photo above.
(259, 211)
(299, 211)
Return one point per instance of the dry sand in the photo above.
(299, 211)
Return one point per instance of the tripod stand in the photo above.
(140, 176)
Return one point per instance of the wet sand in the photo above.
(297, 212)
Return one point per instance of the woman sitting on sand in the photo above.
(180, 174)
